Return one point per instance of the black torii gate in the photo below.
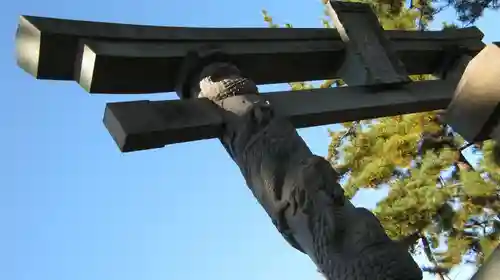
(208, 68)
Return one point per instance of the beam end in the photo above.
(28, 42)
(128, 130)
(84, 67)
(140, 125)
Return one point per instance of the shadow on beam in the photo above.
(49, 48)
(141, 125)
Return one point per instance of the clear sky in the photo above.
(73, 207)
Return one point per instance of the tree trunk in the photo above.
(299, 190)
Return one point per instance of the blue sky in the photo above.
(73, 207)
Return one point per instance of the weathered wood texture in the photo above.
(153, 124)
(299, 190)
(370, 59)
(474, 110)
(121, 58)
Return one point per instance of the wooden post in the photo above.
(298, 190)
(474, 111)
(370, 61)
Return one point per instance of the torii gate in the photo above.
(208, 68)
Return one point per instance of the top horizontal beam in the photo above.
(120, 31)
(50, 48)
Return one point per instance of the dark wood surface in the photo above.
(370, 58)
(143, 125)
(125, 58)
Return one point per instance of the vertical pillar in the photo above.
(298, 190)
(370, 59)
(474, 111)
